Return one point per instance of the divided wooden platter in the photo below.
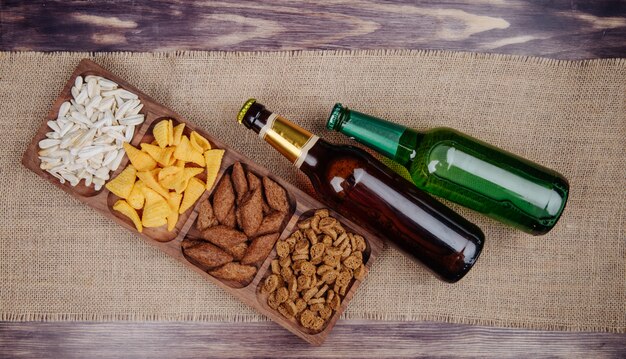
(302, 205)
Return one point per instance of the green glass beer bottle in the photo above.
(464, 170)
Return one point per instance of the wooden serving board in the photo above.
(301, 204)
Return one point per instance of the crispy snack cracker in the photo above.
(198, 142)
(156, 209)
(123, 184)
(271, 223)
(185, 152)
(206, 218)
(178, 133)
(213, 159)
(235, 272)
(140, 160)
(173, 201)
(194, 190)
(208, 255)
(150, 180)
(124, 208)
(251, 212)
(259, 249)
(223, 198)
(223, 236)
(237, 251)
(275, 195)
(239, 180)
(161, 133)
(136, 198)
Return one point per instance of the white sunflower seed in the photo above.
(89, 112)
(80, 118)
(102, 173)
(90, 151)
(57, 176)
(135, 110)
(128, 135)
(132, 120)
(65, 107)
(98, 183)
(109, 157)
(118, 101)
(127, 95)
(122, 110)
(54, 126)
(107, 84)
(50, 151)
(78, 82)
(117, 161)
(73, 180)
(95, 101)
(105, 104)
(88, 179)
(54, 135)
(48, 142)
(89, 77)
(82, 96)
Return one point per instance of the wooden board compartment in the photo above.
(301, 203)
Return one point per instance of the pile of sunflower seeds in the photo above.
(87, 137)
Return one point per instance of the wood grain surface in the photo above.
(350, 339)
(565, 29)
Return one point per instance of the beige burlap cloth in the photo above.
(61, 260)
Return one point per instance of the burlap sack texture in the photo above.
(60, 260)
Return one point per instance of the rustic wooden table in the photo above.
(564, 29)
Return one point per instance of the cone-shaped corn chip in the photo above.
(141, 160)
(124, 208)
(192, 172)
(213, 159)
(154, 151)
(155, 172)
(136, 198)
(194, 190)
(160, 133)
(167, 157)
(180, 163)
(178, 133)
(174, 203)
(184, 151)
(198, 142)
(156, 209)
(188, 173)
(123, 184)
(170, 132)
(169, 171)
(150, 180)
(174, 181)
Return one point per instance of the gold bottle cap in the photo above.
(244, 109)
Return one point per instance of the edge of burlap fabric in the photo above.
(92, 270)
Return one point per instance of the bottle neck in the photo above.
(386, 138)
(291, 140)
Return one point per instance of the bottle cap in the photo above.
(244, 109)
(334, 120)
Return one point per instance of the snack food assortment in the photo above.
(315, 266)
(87, 137)
(239, 226)
(162, 180)
(216, 211)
